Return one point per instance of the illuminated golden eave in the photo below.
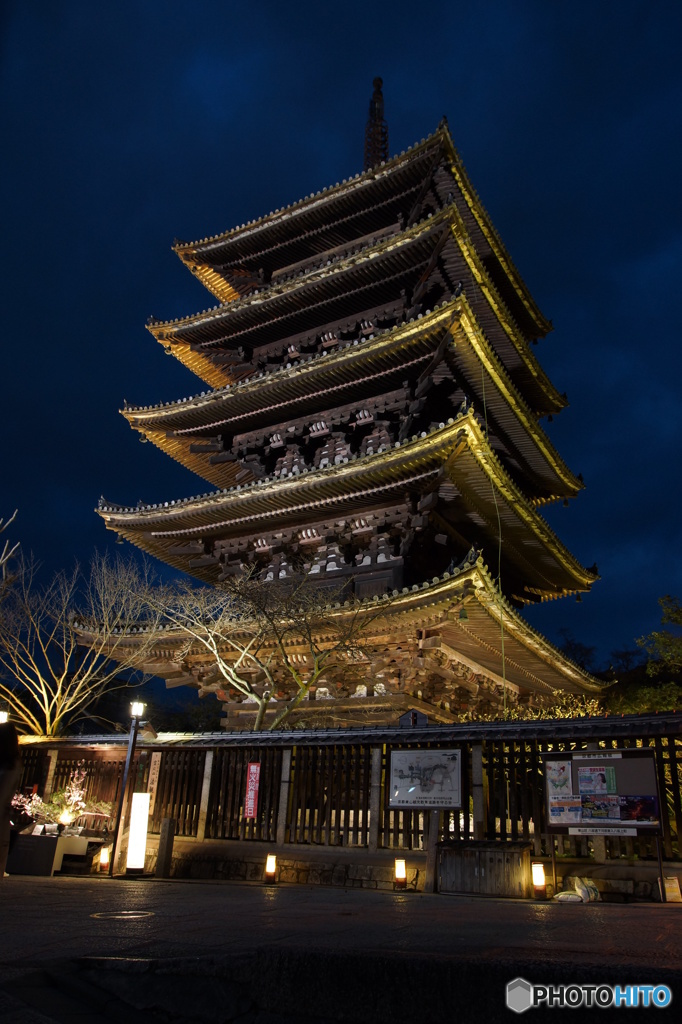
(433, 601)
(316, 491)
(190, 253)
(435, 606)
(490, 232)
(193, 355)
(157, 422)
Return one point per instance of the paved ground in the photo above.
(82, 949)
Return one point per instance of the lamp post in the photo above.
(136, 710)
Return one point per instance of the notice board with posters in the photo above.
(606, 792)
(426, 778)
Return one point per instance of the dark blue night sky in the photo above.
(125, 125)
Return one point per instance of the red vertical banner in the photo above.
(252, 782)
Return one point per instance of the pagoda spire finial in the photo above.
(376, 129)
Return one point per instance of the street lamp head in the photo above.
(137, 709)
(4, 717)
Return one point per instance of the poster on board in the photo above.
(609, 792)
(426, 778)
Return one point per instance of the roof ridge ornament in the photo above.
(376, 130)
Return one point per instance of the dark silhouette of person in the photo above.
(10, 773)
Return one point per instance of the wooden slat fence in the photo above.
(34, 765)
(225, 813)
(330, 790)
(178, 790)
(329, 795)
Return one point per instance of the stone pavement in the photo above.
(91, 948)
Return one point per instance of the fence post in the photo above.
(374, 800)
(477, 788)
(203, 800)
(285, 780)
(165, 853)
(433, 818)
(51, 769)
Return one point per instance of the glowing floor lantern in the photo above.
(400, 875)
(4, 717)
(104, 858)
(539, 884)
(270, 868)
(137, 838)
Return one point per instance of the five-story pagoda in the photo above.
(373, 414)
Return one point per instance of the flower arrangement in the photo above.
(65, 805)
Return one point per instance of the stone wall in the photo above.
(349, 867)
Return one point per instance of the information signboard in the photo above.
(608, 792)
(426, 778)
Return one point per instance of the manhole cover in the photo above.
(122, 915)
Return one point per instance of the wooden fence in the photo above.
(327, 783)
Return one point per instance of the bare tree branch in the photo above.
(63, 644)
(270, 642)
(7, 551)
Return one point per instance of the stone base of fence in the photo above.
(359, 868)
(617, 881)
(349, 867)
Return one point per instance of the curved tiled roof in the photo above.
(312, 383)
(309, 294)
(315, 207)
(460, 445)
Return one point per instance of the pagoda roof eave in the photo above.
(441, 601)
(463, 615)
(458, 448)
(190, 252)
(173, 335)
(488, 228)
(308, 275)
(285, 386)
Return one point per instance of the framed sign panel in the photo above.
(426, 778)
(608, 793)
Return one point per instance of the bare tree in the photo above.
(269, 641)
(63, 644)
(7, 551)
